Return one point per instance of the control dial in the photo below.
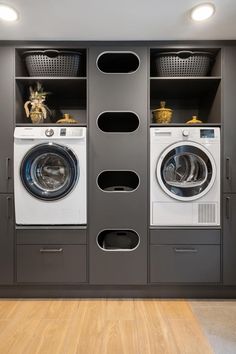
(185, 132)
(49, 132)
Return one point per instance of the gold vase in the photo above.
(36, 117)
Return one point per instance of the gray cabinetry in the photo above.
(229, 85)
(185, 256)
(7, 117)
(229, 239)
(51, 255)
(229, 167)
(51, 263)
(185, 263)
(123, 205)
(6, 239)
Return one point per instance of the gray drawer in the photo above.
(44, 235)
(185, 264)
(51, 264)
(185, 236)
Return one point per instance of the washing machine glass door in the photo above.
(49, 171)
(186, 171)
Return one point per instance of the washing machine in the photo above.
(50, 175)
(185, 176)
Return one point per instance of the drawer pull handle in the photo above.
(227, 168)
(9, 207)
(8, 174)
(227, 211)
(51, 250)
(185, 250)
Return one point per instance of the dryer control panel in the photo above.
(207, 133)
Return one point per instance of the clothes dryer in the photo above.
(185, 176)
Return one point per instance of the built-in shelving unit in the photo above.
(188, 96)
(66, 94)
(117, 253)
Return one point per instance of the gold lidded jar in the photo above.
(162, 114)
(194, 120)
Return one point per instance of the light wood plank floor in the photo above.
(101, 326)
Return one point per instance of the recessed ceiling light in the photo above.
(7, 13)
(202, 12)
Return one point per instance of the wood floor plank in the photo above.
(7, 307)
(153, 331)
(100, 326)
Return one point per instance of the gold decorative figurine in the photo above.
(38, 111)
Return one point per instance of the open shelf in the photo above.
(67, 95)
(118, 62)
(215, 63)
(20, 65)
(118, 122)
(118, 181)
(118, 240)
(188, 97)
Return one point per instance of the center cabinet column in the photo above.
(117, 215)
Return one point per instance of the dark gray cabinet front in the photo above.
(229, 86)
(229, 240)
(6, 239)
(51, 263)
(117, 88)
(7, 118)
(185, 263)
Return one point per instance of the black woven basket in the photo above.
(183, 63)
(52, 62)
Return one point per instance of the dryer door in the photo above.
(49, 171)
(186, 171)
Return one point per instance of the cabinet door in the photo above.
(7, 118)
(6, 239)
(229, 85)
(229, 240)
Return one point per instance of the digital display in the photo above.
(207, 133)
(63, 132)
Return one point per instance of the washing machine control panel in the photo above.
(49, 132)
(185, 133)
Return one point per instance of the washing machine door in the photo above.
(186, 171)
(49, 171)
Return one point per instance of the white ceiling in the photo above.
(116, 20)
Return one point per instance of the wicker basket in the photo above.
(183, 63)
(52, 63)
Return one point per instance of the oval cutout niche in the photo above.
(118, 240)
(118, 62)
(118, 181)
(118, 122)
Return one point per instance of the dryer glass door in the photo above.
(186, 171)
(49, 171)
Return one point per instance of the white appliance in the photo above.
(185, 176)
(50, 175)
